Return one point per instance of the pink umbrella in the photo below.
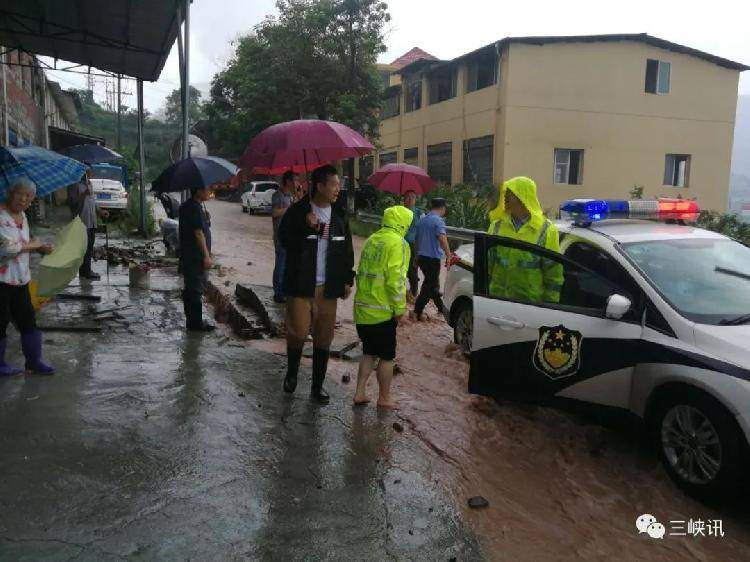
(303, 145)
(400, 178)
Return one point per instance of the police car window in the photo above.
(533, 277)
(600, 262)
(705, 280)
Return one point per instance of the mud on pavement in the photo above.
(559, 486)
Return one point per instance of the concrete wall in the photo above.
(591, 97)
(587, 96)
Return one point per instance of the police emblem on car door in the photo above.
(558, 351)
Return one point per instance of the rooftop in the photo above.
(411, 56)
(549, 40)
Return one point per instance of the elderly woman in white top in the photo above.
(15, 301)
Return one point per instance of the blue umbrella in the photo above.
(48, 170)
(91, 153)
(192, 173)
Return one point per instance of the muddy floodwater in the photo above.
(559, 486)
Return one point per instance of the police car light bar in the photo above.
(583, 212)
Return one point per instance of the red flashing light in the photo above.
(678, 209)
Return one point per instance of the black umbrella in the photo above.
(192, 173)
(90, 153)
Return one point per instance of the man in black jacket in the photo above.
(319, 270)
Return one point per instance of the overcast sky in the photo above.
(448, 28)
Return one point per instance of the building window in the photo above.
(391, 106)
(677, 170)
(411, 156)
(657, 76)
(440, 162)
(481, 71)
(478, 160)
(442, 85)
(413, 99)
(568, 166)
(388, 158)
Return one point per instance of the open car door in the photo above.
(547, 327)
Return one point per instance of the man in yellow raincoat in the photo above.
(380, 300)
(519, 274)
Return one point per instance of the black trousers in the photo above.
(196, 279)
(412, 274)
(85, 268)
(15, 305)
(430, 286)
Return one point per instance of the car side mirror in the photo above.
(617, 307)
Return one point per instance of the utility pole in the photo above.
(119, 114)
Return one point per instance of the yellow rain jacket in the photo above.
(381, 277)
(516, 274)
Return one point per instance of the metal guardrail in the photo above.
(453, 232)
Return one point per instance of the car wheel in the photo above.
(463, 326)
(699, 443)
(244, 209)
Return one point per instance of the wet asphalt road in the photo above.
(151, 444)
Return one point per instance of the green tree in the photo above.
(316, 59)
(173, 107)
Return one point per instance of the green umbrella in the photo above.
(61, 266)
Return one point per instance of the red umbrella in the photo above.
(303, 145)
(400, 178)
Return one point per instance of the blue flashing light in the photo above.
(583, 212)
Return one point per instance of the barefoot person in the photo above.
(15, 301)
(319, 270)
(380, 301)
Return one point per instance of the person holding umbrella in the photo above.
(196, 174)
(15, 300)
(195, 257)
(319, 270)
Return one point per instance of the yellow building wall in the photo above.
(591, 97)
(587, 96)
(466, 116)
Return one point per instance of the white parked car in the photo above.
(653, 321)
(257, 198)
(108, 183)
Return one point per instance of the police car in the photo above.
(653, 320)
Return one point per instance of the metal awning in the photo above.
(129, 37)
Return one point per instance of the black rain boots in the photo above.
(320, 366)
(293, 357)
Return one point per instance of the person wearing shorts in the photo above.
(380, 301)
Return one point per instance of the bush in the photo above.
(728, 224)
(131, 220)
(468, 205)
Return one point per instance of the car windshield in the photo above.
(261, 187)
(99, 173)
(705, 280)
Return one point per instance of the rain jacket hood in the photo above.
(525, 189)
(398, 218)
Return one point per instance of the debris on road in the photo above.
(478, 502)
(346, 379)
(398, 427)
